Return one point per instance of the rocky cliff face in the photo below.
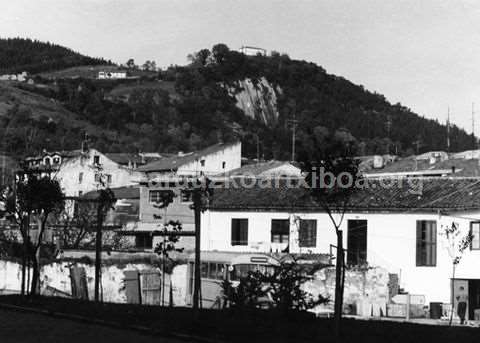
(257, 99)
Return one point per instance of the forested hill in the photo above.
(324, 105)
(220, 95)
(18, 55)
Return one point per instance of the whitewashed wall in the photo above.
(57, 275)
(68, 175)
(391, 243)
(231, 155)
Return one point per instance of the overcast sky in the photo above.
(424, 54)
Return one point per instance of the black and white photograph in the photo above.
(232, 171)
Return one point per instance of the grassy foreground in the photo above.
(251, 326)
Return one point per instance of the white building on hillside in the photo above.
(398, 227)
(77, 170)
(112, 74)
(214, 160)
(162, 174)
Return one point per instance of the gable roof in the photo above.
(127, 192)
(463, 167)
(403, 195)
(174, 162)
(124, 158)
(258, 169)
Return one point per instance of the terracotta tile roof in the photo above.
(257, 169)
(418, 194)
(123, 158)
(463, 167)
(174, 162)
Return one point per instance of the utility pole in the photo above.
(448, 129)
(294, 123)
(258, 148)
(197, 202)
(389, 128)
(473, 127)
(98, 250)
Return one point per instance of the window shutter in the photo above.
(244, 231)
(419, 244)
(433, 243)
(234, 237)
(239, 232)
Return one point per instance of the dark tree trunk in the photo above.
(197, 283)
(98, 252)
(338, 284)
(35, 275)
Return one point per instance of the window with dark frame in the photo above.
(96, 159)
(475, 232)
(307, 233)
(426, 255)
(143, 240)
(185, 196)
(239, 231)
(357, 230)
(109, 179)
(80, 177)
(202, 163)
(280, 230)
(154, 196)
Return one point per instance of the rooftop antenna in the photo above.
(448, 129)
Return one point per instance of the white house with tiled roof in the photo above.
(395, 224)
(77, 170)
(213, 160)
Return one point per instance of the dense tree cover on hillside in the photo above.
(325, 105)
(18, 55)
(200, 110)
(23, 134)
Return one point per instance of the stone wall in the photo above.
(56, 276)
(367, 292)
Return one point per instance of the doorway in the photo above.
(470, 289)
(357, 242)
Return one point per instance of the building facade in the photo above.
(166, 174)
(401, 232)
(78, 171)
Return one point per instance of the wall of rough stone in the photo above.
(366, 291)
(56, 276)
